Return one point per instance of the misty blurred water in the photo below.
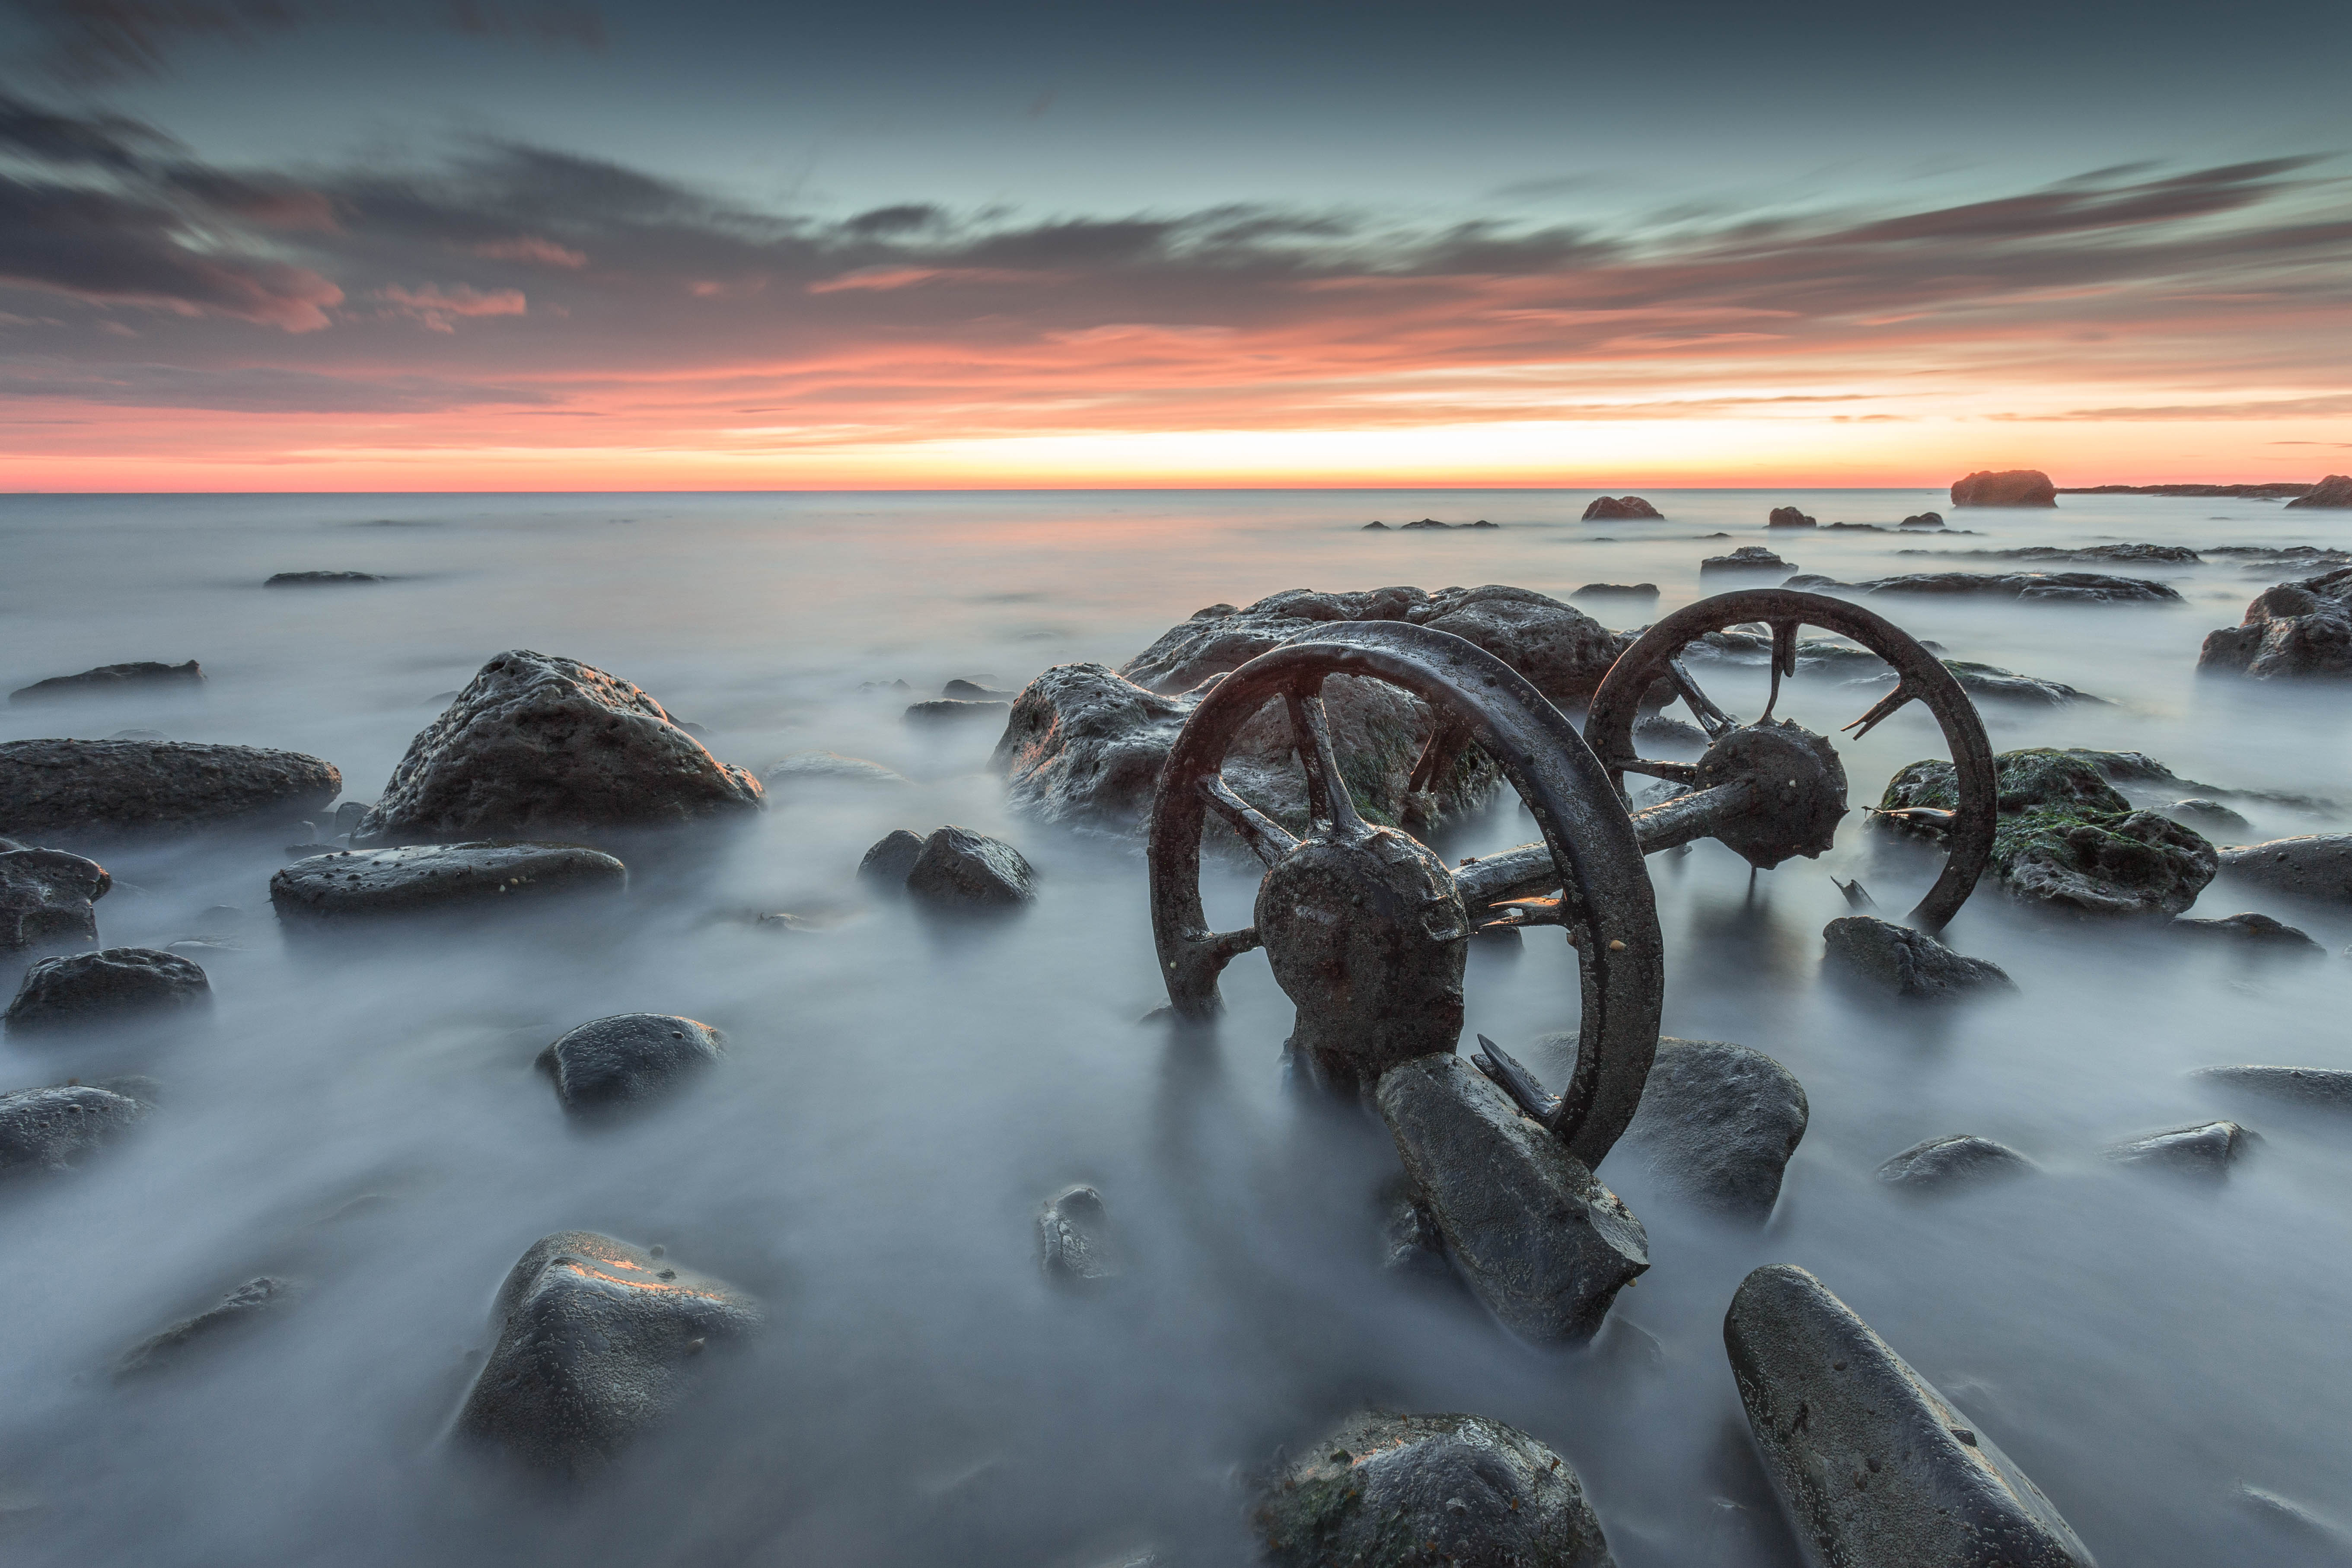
(901, 1095)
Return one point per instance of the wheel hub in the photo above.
(1798, 790)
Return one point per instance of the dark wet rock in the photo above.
(1616, 591)
(886, 864)
(976, 691)
(2334, 490)
(1953, 1160)
(234, 1313)
(2251, 930)
(596, 1339)
(96, 787)
(2205, 1150)
(2012, 486)
(2298, 629)
(1385, 1491)
(1872, 1464)
(1617, 509)
(1425, 523)
(1541, 1242)
(831, 767)
(2324, 1088)
(1991, 683)
(608, 1063)
(537, 745)
(2315, 865)
(2208, 816)
(1370, 526)
(419, 878)
(321, 579)
(2149, 554)
(347, 817)
(45, 898)
(1789, 517)
(1076, 1244)
(2068, 837)
(144, 676)
(971, 870)
(952, 710)
(1718, 1123)
(1747, 558)
(1412, 1247)
(1923, 519)
(2028, 587)
(1562, 650)
(112, 985)
(52, 1128)
(1906, 962)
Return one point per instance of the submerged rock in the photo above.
(1616, 591)
(2251, 930)
(237, 1311)
(886, 864)
(2324, 1088)
(52, 1128)
(1991, 683)
(1620, 508)
(2009, 487)
(2028, 587)
(960, 868)
(2205, 1150)
(2296, 629)
(1541, 1242)
(1789, 517)
(419, 878)
(1718, 1123)
(832, 767)
(112, 985)
(1954, 1161)
(147, 675)
(2334, 490)
(1873, 1465)
(2315, 865)
(611, 1062)
(45, 898)
(1075, 1243)
(955, 711)
(1747, 558)
(595, 1340)
(540, 746)
(1384, 1491)
(1923, 519)
(1906, 962)
(106, 786)
(320, 578)
(2208, 816)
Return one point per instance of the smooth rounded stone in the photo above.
(99, 787)
(2315, 865)
(52, 1128)
(1616, 591)
(832, 767)
(1953, 1160)
(886, 864)
(612, 1062)
(1747, 558)
(146, 674)
(1718, 1123)
(2255, 932)
(1076, 1244)
(45, 898)
(2294, 630)
(2207, 816)
(596, 1339)
(1923, 519)
(239, 1311)
(540, 746)
(113, 984)
(2206, 1149)
(321, 579)
(2333, 491)
(1385, 1490)
(1535, 1235)
(2008, 487)
(1622, 508)
(1873, 1466)
(425, 876)
(960, 868)
(2324, 1088)
(947, 710)
(1906, 962)
(1790, 517)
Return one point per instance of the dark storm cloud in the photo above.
(43, 135)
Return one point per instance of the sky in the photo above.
(323, 245)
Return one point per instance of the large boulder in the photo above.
(1954, 1161)
(2334, 490)
(420, 878)
(1385, 1491)
(2313, 866)
(86, 788)
(52, 1128)
(1622, 508)
(2012, 487)
(112, 985)
(1790, 517)
(1901, 961)
(962, 870)
(596, 1340)
(1873, 1466)
(45, 898)
(146, 676)
(2298, 628)
(608, 1063)
(1747, 558)
(1535, 1235)
(1718, 1124)
(536, 745)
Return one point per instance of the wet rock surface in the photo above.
(596, 1339)
(2323, 1088)
(886, 865)
(320, 578)
(2255, 933)
(1535, 1235)
(2208, 816)
(537, 745)
(1872, 1464)
(144, 676)
(1901, 961)
(961, 869)
(1953, 1161)
(950, 711)
(111, 986)
(1622, 508)
(2205, 1150)
(1616, 591)
(2155, 554)
(1076, 1244)
(2313, 866)
(419, 878)
(241, 1310)
(52, 1129)
(1718, 1123)
(47, 898)
(2026, 587)
(1923, 519)
(2010, 486)
(1384, 1490)
(2294, 630)
(609, 1063)
(1747, 558)
(1991, 683)
(92, 788)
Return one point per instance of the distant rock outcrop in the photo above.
(1790, 517)
(1617, 509)
(2012, 486)
(2299, 628)
(108, 679)
(2334, 490)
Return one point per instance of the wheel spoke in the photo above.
(1711, 719)
(1676, 773)
(1216, 949)
(1327, 799)
(1266, 838)
(1445, 743)
(1883, 709)
(1784, 660)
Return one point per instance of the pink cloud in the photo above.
(529, 247)
(883, 279)
(438, 306)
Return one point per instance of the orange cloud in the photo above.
(438, 307)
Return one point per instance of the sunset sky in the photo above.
(278, 245)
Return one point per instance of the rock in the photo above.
(1718, 1123)
(52, 1129)
(1906, 962)
(1872, 1464)
(611, 1062)
(1658, 729)
(1616, 509)
(320, 578)
(88, 787)
(888, 863)
(2162, 554)
(2208, 816)
(2013, 487)
(45, 898)
(2297, 629)
(1075, 1246)
(111, 677)
(974, 691)
(542, 746)
(1747, 558)
(595, 1340)
(1427, 522)
(1789, 517)
(2251, 930)
(419, 878)
(1991, 683)
(814, 767)
(1924, 520)
(1562, 650)
(950, 710)
(1954, 1161)
(1384, 1490)
(237, 1311)
(1616, 591)
(2026, 587)
(2324, 1089)
(2327, 1541)
(2334, 490)
(967, 870)
(2205, 1150)
(1542, 1243)
(2315, 865)
(111, 984)
(1412, 1247)
(1370, 526)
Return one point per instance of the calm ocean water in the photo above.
(900, 1097)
